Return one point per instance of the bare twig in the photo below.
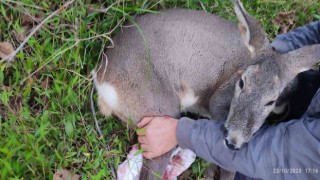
(22, 4)
(94, 76)
(203, 6)
(99, 129)
(94, 115)
(77, 74)
(104, 10)
(21, 10)
(10, 57)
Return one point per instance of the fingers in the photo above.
(144, 122)
(142, 139)
(141, 125)
(147, 151)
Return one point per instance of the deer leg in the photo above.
(219, 106)
(219, 103)
(211, 172)
(154, 169)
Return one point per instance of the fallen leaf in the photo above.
(6, 49)
(29, 20)
(94, 9)
(45, 83)
(64, 174)
(286, 21)
(22, 33)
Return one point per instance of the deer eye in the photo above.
(269, 103)
(241, 83)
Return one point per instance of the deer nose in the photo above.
(228, 144)
(225, 133)
(231, 146)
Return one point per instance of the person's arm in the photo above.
(306, 35)
(273, 152)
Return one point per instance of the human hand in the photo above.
(157, 135)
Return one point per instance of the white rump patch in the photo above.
(188, 99)
(109, 94)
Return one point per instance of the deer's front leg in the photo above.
(219, 104)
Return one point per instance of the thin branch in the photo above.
(22, 4)
(93, 111)
(10, 57)
(106, 9)
(77, 74)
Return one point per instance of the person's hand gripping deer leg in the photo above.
(157, 136)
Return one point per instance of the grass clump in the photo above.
(45, 117)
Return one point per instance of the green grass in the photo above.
(45, 117)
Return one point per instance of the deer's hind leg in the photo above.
(162, 104)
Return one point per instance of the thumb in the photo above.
(144, 121)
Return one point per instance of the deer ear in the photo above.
(251, 31)
(299, 60)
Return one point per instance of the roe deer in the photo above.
(261, 84)
(195, 63)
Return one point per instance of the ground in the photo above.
(45, 117)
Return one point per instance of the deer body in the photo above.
(192, 53)
(194, 62)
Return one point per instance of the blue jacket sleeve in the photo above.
(306, 35)
(289, 150)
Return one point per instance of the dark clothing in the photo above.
(307, 84)
(285, 151)
(302, 36)
(290, 150)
